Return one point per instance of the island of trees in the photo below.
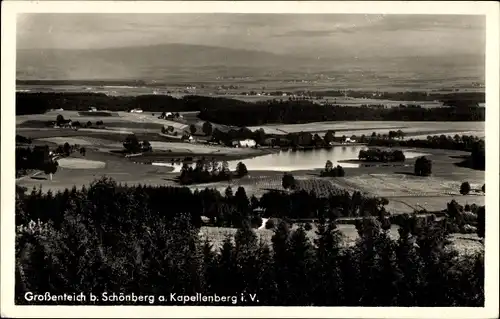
(379, 155)
(209, 172)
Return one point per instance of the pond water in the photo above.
(299, 160)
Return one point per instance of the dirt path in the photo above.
(29, 175)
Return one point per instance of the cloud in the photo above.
(300, 34)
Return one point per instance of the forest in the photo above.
(228, 209)
(240, 113)
(66, 243)
(297, 112)
(38, 103)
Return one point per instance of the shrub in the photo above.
(423, 166)
(288, 181)
(465, 188)
(241, 169)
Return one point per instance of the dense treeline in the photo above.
(456, 142)
(379, 155)
(34, 158)
(125, 245)
(40, 157)
(37, 103)
(473, 98)
(209, 172)
(331, 171)
(221, 209)
(237, 112)
(22, 140)
(28, 158)
(295, 112)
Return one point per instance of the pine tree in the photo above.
(210, 267)
(225, 283)
(409, 263)
(280, 242)
(267, 289)
(328, 279)
(300, 263)
(242, 203)
(245, 254)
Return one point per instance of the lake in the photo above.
(290, 160)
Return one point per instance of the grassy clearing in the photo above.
(134, 125)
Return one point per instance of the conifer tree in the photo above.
(245, 255)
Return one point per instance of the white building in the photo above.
(245, 143)
(92, 109)
(136, 111)
(348, 140)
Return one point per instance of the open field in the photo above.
(390, 185)
(147, 122)
(367, 127)
(116, 117)
(406, 192)
(465, 243)
(59, 140)
(114, 135)
(80, 163)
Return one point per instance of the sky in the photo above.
(302, 35)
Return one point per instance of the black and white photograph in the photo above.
(243, 159)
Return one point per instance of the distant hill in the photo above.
(143, 62)
(183, 62)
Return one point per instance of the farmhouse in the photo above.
(243, 143)
(92, 109)
(348, 140)
(136, 111)
(187, 137)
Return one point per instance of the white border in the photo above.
(8, 38)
